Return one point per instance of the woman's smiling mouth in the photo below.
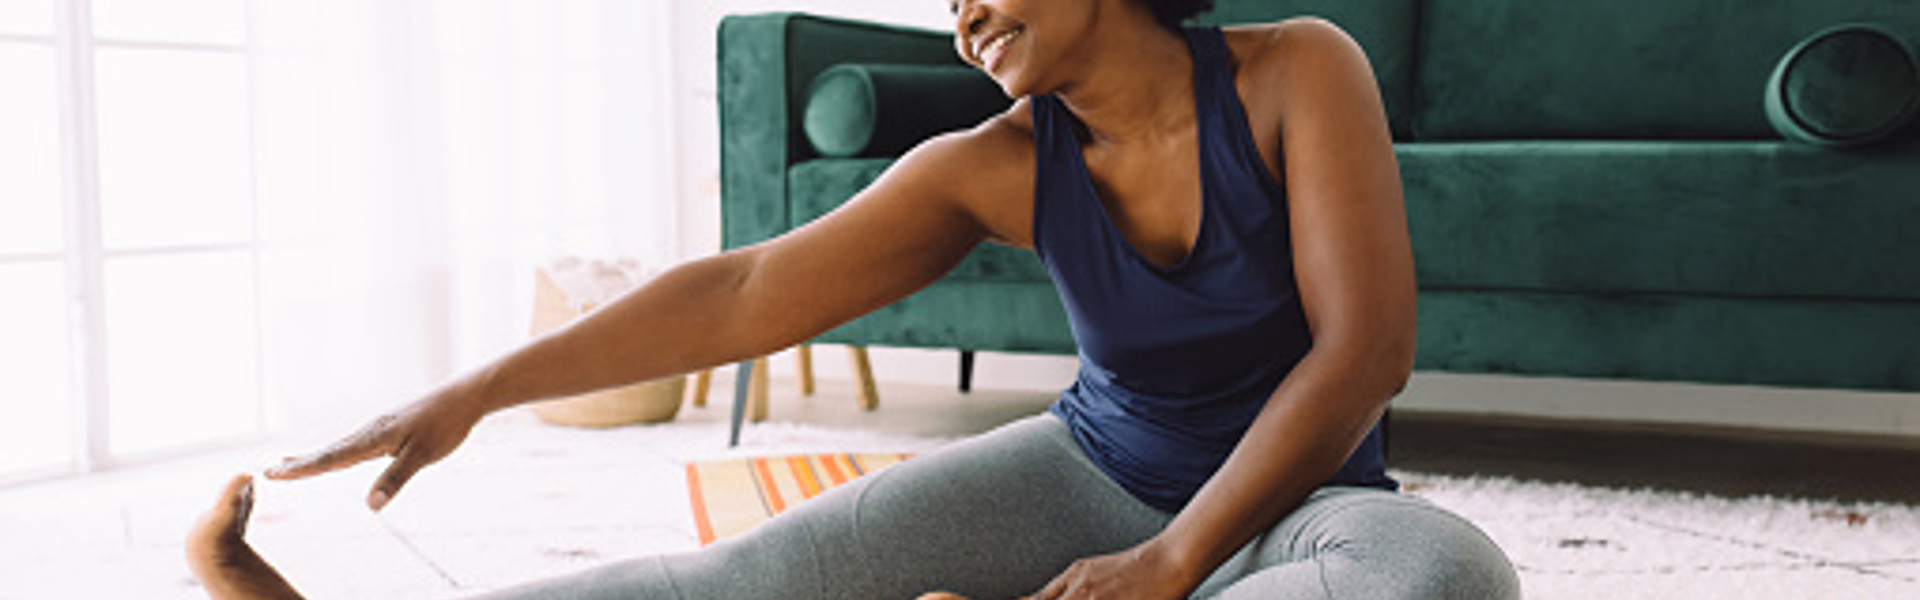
(990, 49)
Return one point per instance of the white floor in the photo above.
(520, 500)
(523, 500)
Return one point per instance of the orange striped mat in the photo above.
(732, 496)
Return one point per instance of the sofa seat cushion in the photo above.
(1846, 86)
(817, 187)
(1619, 69)
(1732, 219)
(1797, 342)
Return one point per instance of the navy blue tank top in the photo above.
(1176, 362)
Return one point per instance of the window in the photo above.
(127, 244)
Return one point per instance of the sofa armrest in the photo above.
(767, 62)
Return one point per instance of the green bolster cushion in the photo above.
(873, 110)
(1845, 86)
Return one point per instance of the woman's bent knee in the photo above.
(1400, 546)
(1370, 544)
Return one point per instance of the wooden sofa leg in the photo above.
(863, 371)
(758, 392)
(806, 370)
(966, 371)
(702, 383)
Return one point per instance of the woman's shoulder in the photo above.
(1297, 64)
(1264, 50)
(1000, 142)
(988, 169)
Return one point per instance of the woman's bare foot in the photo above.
(218, 553)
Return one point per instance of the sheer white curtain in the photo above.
(416, 159)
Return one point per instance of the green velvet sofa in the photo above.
(1631, 189)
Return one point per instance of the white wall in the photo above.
(694, 24)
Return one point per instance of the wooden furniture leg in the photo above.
(750, 387)
(863, 372)
(758, 398)
(806, 370)
(701, 383)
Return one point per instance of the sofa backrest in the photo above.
(1384, 28)
(1619, 69)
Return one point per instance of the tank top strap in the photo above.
(1053, 192)
(1210, 54)
(1212, 67)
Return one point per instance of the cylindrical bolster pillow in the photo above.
(1845, 86)
(875, 110)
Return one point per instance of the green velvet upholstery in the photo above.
(1613, 69)
(1846, 86)
(1854, 344)
(1594, 189)
(1767, 263)
(1737, 219)
(884, 110)
(767, 63)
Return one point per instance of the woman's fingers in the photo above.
(1053, 590)
(409, 462)
(367, 444)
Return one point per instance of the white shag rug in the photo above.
(1576, 542)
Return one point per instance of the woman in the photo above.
(1222, 215)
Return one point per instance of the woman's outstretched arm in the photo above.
(895, 237)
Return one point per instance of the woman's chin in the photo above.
(1013, 85)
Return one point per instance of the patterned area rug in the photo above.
(732, 496)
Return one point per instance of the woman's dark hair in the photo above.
(1173, 12)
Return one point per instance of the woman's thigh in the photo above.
(1365, 543)
(990, 517)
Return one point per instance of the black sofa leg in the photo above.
(1386, 433)
(966, 371)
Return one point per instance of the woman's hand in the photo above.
(1145, 572)
(417, 435)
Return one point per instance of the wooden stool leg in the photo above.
(701, 384)
(863, 371)
(806, 370)
(757, 398)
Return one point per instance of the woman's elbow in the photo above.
(1379, 362)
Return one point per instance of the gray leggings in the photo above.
(999, 515)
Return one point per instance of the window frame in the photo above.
(84, 253)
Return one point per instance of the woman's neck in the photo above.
(1137, 86)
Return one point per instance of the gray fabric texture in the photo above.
(997, 516)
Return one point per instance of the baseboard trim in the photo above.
(1879, 414)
